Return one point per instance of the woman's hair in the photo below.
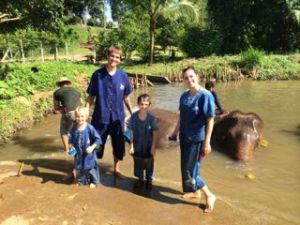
(82, 109)
(144, 97)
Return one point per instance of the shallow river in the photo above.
(273, 197)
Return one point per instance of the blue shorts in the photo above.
(115, 130)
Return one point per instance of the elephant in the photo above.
(235, 133)
(166, 122)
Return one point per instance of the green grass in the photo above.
(29, 94)
(269, 67)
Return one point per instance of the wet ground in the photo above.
(39, 196)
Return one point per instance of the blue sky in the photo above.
(108, 12)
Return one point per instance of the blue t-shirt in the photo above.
(194, 110)
(142, 132)
(109, 91)
(81, 140)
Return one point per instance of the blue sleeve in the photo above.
(127, 84)
(95, 136)
(217, 102)
(153, 123)
(93, 85)
(209, 105)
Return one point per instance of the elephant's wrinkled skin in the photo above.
(237, 134)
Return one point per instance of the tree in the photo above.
(77, 7)
(270, 24)
(118, 9)
(171, 9)
(42, 14)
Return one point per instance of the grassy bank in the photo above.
(26, 92)
(266, 67)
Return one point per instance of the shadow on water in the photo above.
(295, 132)
(39, 145)
(40, 169)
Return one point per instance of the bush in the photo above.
(198, 42)
(251, 57)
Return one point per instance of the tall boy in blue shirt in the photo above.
(110, 87)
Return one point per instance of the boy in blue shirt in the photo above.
(84, 138)
(110, 87)
(143, 127)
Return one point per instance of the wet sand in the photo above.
(39, 196)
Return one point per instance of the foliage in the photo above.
(271, 66)
(130, 36)
(25, 81)
(29, 93)
(170, 9)
(118, 9)
(268, 25)
(170, 32)
(199, 42)
(252, 57)
(42, 14)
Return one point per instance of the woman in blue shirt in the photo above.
(195, 127)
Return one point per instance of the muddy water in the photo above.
(273, 197)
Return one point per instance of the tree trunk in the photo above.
(22, 51)
(42, 53)
(152, 39)
(55, 53)
(67, 50)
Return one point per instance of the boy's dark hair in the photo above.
(114, 48)
(209, 84)
(144, 97)
(188, 68)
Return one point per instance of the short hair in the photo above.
(209, 84)
(114, 48)
(188, 68)
(143, 97)
(82, 109)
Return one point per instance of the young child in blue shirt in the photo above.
(143, 127)
(84, 138)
